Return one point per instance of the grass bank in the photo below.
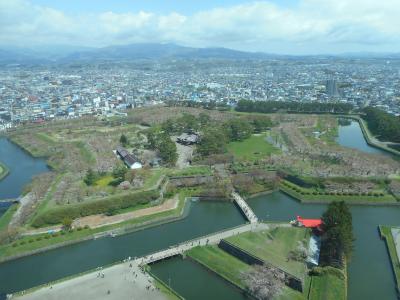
(330, 284)
(7, 216)
(386, 234)
(222, 263)
(307, 195)
(3, 170)
(274, 246)
(29, 245)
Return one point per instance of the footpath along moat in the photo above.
(370, 274)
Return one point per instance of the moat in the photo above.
(369, 272)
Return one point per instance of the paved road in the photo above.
(251, 216)
(122, 281)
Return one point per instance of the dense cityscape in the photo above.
(45, 92)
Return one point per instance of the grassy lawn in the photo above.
(153, 178)
(253, 148)
(328, 287)
(307, 195)
(224, 264)
(274, 245)
(104, 181)
(6, 217)
(85, 153)
(36, 242)
(46, 203)
(387, 234)
(290, 294)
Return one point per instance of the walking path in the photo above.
(251, 216)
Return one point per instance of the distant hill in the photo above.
(159, 51)
(153, 51)
(124, 52)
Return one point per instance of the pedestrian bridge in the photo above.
(247, 211)
(213, 238)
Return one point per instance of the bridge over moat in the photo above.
(245, 208)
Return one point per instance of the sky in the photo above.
(272, 26)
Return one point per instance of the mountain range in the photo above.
(153, 51)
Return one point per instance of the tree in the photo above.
(167, 150)
(238, 129)
(90, 177)
(260, 123)
(264, 282)
(123, 140)
(119, 171)
(204, 119)
(213, 141)
(338, 236)
(67, 223)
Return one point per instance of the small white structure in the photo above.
(131, 161)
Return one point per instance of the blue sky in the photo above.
(167, 6)
(273, 26)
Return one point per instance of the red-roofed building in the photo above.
(309, 223)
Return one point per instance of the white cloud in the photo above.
(311, 26)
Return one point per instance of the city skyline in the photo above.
(296, 27)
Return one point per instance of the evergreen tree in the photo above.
(90, 177)
(123, 140)
(338, 236)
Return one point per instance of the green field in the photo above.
(253, 148)
(387, 235)
(274, 245)
(328, 287)
(222, 263)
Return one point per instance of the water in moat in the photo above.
(351, 136)
(370, 274)
(204, 218)
(22, 167)
(193, 281)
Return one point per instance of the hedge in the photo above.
(56, 215)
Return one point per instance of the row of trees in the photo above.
(206, 105)
(383, 124)
(338, 237)
(297, 107)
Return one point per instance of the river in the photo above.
(22, 167)
(370, 275)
